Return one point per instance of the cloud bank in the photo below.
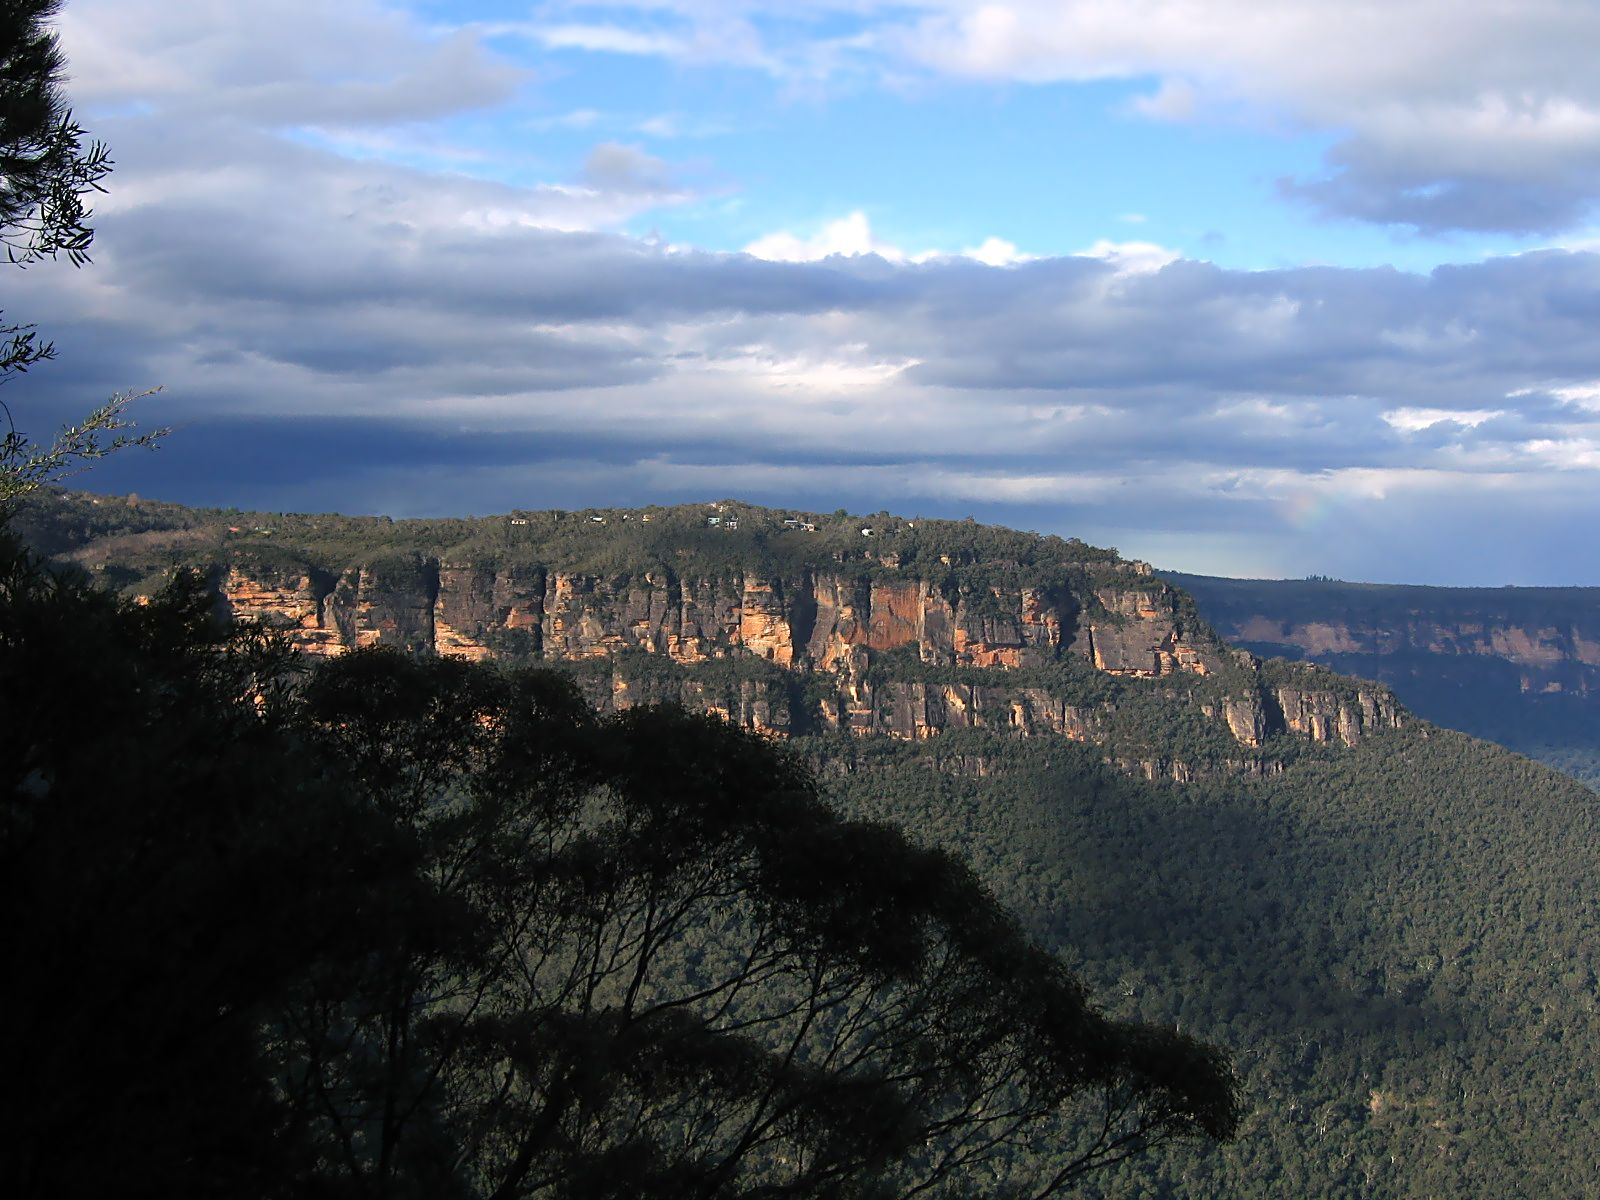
(291, 287)
(335, 330)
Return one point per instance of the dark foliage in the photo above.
(47, 173)
(424, 928)
(661, 966)
(1396, 943)
(164, 862)
(45, 169)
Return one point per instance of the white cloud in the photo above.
(1132, 258)
(283, 63)
(1580, 395)
(852, 236)
(610, 39)
(996, 252)
(1413, 420)
(811, 375)
(1446, 114)
(1174, 100)
(1566, 454)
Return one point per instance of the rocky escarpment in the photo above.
(1311, 704)
(819, 621)
(790, 623)
(1537, 641)
(1519, 666)
(1545, 658)
(878, 652)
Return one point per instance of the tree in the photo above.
(47, 172)
(168, 864)
(423, 927)
(643, 958)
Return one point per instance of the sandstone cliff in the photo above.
(1519, 666)
(879, 653)
(1541, 641)
(786, 623)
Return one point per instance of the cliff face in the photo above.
(1519, 666)
(1546, 658)
(815, 621)
(1322, 714)
(783, 622)
(292, 603)
(1143, 639)
(872, 648)
(1545, 641)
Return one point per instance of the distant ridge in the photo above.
(1515, 665)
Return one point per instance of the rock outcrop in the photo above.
(293, 603)
(813, 621)
(1143, 635)
(1317, 706)
(884, 651)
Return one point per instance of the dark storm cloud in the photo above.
(358, 335)
(413, 307)
(1365, 191)
(1301, 332)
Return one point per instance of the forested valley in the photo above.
(1390, 942)
(717, 851)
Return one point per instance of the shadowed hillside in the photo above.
(1390, 926)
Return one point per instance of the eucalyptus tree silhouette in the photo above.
(397, 927)
(642, 957)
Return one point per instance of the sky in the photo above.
(1240, 289)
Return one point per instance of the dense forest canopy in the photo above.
(1396, 942)
(424, 927)
(1390, 941)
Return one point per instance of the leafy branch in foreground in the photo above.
(48, 171)
(22, 349)
(25, 466)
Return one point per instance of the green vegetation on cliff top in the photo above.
(152, 536)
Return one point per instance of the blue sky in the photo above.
(1241, 289)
